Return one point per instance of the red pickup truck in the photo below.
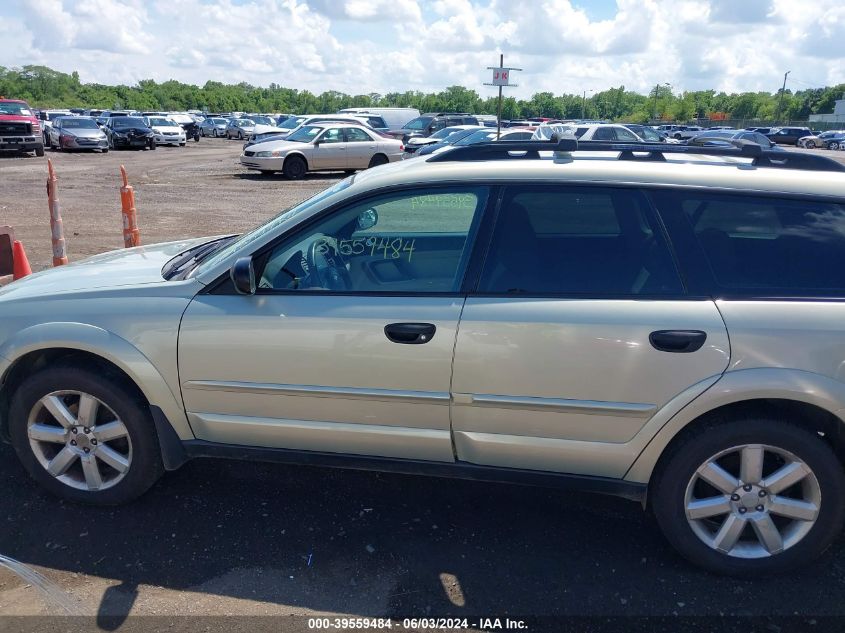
(20, 130)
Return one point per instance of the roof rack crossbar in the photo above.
(522, 150)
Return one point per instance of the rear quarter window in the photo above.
(763, 246)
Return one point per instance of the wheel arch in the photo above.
(41, 345)
(298, 155)
(810, 400)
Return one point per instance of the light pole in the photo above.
(782, 90)
(584, 103)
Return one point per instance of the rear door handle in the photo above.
(677, 341)
(410, 333)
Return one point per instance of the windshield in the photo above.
(127, 121)
(446, 131)
(306, 133)
(78, 123)
(420, 123)
(478, 136)
(456, 136)
(244, 123)
(157, 120)
(292, 122)
(248, 239)
(15, 108)
(646, 133)
(262, 120)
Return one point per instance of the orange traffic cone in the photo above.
(20, 264)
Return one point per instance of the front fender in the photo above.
(737, 386)
(107, 345)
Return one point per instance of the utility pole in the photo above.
(656, 90)
(501, 78)
(782, 90)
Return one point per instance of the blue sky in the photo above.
(363, 46)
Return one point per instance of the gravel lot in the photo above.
(236, 538)
(191, 191)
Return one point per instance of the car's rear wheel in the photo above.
(750, 496)
(295, 167)
(83, 436)
(378, 159)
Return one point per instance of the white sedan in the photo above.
(167, 132)
(323, 147)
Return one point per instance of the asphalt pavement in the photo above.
(225, 537)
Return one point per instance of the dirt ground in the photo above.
(200, 189)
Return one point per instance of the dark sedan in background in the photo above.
(129, 131)
(728, 137)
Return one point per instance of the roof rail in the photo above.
(522, 150)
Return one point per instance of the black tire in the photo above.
(810, 144)
(676, 469)
(145, 467)
(833, 145)
(39, 151)
(105, 150)
(240, 135)
(378, 159)
(152, 144)
(214, 133)
(295, 167)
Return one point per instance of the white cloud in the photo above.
(105, 25)
(362, 46)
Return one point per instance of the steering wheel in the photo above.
(326, 267)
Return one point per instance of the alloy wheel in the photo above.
(752, 501)
(79, 440)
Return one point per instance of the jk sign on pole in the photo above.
(500, 76)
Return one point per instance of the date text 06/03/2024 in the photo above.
(416, 624)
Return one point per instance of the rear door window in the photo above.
(756, 245)
(588, 241)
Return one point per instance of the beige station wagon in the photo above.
(633, 320)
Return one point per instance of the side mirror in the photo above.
(317, 142)
(243, 276)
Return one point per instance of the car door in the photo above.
(347, 344)
(360, 148)
(579, 332)
(329, 150)
(55, 131)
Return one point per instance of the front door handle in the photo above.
(410, 333)
(677, 341)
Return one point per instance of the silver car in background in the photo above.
(214, 126)
(76, 132)
(322, 147)
(240, 128)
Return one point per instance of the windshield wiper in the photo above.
(184, 262)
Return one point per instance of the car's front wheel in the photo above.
(750, 496)
(295, 167)
(83, 436)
